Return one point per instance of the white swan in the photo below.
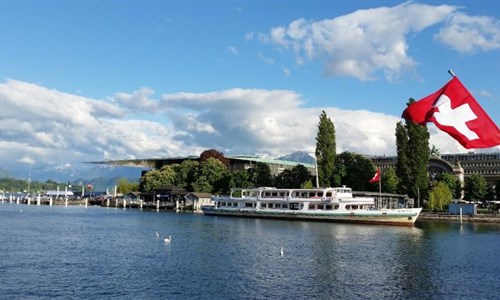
(167, 240)
(281, 251)
(157, 234)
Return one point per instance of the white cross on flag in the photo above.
(453, 110)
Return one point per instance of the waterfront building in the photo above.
(462, 165)
(236, 162)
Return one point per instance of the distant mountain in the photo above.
(299, 156)
(101, 176)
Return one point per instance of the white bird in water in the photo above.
(167, 240)
(281, 251)
(157, 234)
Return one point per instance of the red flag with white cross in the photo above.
(376, 177)
(453, 110)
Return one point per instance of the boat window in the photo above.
(218, 204)
(312, 206)
(277, 205)
(263, 205)
(223, 203)
(328, 194)
(336, 206)
(320, 206)
(248, 204)
(271, 205)
(348, 207)
(328, 207)
(354, 207)
(235, 204)
(312, 194)
(284, 205)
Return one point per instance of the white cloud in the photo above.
(236, 121)
(233, 50)
(286, 71)
(26, 160)
(362, 43)
(467, 34)
(139, 99)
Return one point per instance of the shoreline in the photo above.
(478, 218)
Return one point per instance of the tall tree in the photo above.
(412, 142)
(389, 181)
(356, 171)
(475, 187)
(403, 161)
(326, 151)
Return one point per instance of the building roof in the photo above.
(155, 162)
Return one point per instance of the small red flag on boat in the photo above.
(453, 110)
(376, 177)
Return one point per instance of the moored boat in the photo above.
(317, 204)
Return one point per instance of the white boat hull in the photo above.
(400, 217)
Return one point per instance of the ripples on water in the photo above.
(96, 253)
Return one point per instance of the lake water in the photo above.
(106, 253)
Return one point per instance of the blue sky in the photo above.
(98, 80)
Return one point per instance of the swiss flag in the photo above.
(453, 109)
(376, 177)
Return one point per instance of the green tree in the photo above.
(307, 185)
(326, 151)
(214, 172)
(439, 197)
(241, 179)
(124, 186)
(260, 175)
(185, 174)
(157, 178)
(293, 178)
(453, 184)
(202, 185)
(403, 161)
(356, 171)
(475, 188)
(389, 181)
(412, 143)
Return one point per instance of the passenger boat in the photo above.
(319, 204)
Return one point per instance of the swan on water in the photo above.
(157, 234)
(167, 240)
(281, 251)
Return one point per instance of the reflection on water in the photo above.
(75, 252)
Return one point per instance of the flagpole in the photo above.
(451, 73)
(380, 188)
